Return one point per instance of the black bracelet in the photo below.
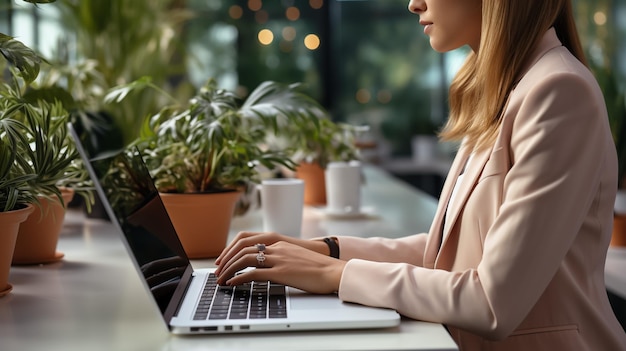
(332, 245)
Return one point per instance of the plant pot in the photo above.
(618, 238)
(9, 225)
(39, 235)
(314, 183)
(202, 221)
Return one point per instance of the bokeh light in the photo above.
(599, 18)
(292, 13)
(312, 42)
(265, 36)
(255, 5)
(289, 33)
(235, 12)
(316, 4)
(261, 17)
(363, 96)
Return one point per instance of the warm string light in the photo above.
(292, 13)
(235, 12)
(289, 33)
(316, 4)
(255, 5)
(600, 18)
(265, 36)
(312, 42)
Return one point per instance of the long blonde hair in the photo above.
(511, 30)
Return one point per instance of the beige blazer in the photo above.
(522, 265)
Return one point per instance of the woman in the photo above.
(515, 256)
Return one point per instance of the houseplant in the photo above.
(44, 147)
(117, 42)
(16, 197)
(17, 194)
(212, 146)
(314, 143)
(51, 152)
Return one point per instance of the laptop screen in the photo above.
(132, 201)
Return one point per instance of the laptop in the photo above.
(190, 301)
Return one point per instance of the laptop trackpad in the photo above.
(300, 300)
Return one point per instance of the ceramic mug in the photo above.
(282, 203)
(343, 187)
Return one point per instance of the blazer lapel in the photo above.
(471, 175)
(435, 234)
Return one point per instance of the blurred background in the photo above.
(366, 61)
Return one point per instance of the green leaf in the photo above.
(19, 55)
(119, 93)
(50, 94)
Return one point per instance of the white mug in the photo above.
(282, 203)
(343, 187)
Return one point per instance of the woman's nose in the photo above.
(417, 6)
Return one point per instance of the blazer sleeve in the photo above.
(409, 249)
(559, 143)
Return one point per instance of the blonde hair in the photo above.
(511, 30)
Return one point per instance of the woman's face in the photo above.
(450, 24)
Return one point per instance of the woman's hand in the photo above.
(286, 262)
(247, 239)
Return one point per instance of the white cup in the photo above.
(282, 203)
(343, 187)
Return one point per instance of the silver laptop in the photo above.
(189, 300)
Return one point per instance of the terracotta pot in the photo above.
(39, 235)
(314, 183)
(9, 226)
(202, 221)
(618, 238)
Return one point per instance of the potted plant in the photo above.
(17, 196)
(59, 175)
(211, 147)
(44, 147)
(314, 143)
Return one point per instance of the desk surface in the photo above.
(93, 300)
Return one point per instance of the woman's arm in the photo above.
(560, 146)
(409, 249)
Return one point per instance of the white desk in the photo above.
(93, 299)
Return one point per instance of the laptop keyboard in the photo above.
(255, 300)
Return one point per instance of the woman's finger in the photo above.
(240, 241)
(246, 239)
(228, 247)
(258, 275)
(230, 260)
(242, 262)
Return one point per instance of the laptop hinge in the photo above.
(184, 293)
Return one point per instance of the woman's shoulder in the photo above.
(557, 87)
(558, 68)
